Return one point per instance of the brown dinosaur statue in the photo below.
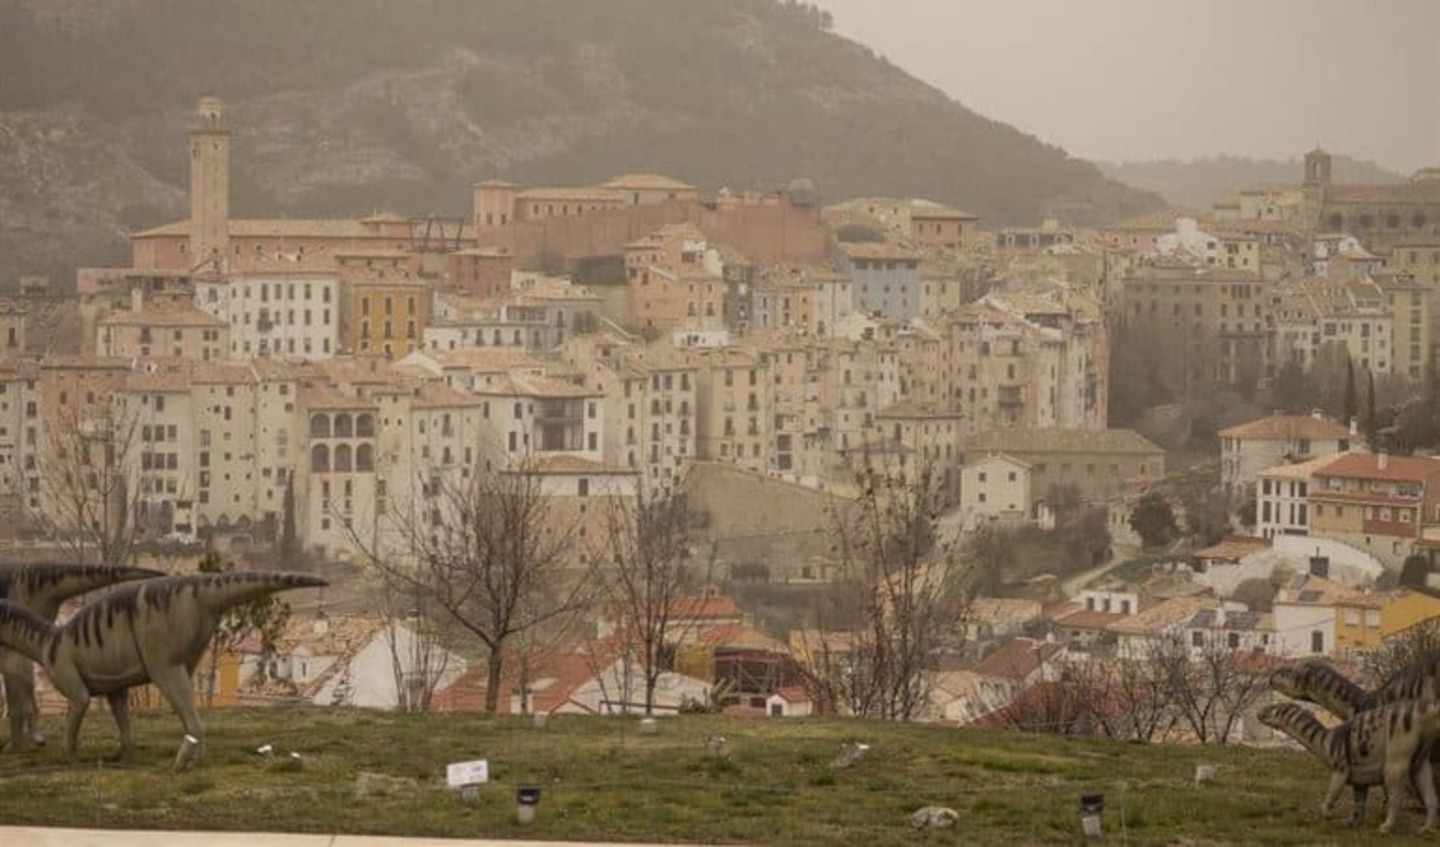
(1384, 746)
(153, 631)
(41, 588)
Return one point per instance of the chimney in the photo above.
(1320, 566)
(1382, 460)
(1354, 427)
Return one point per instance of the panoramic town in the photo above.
(651, 450)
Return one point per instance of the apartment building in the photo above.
(290, 315)
(1309, 314)
(734, 407)
(1103, 465)
(383, 313)
(1028, 360)
(1248, 449)
(1215, 321)
(884, 276)
(169, 331)
(1376, 502)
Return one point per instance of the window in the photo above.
(1317, 641)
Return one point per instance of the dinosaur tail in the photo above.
(24, 631)
(222, 591)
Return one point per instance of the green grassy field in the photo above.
(601, 779)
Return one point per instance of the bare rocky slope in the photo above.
(345, 108)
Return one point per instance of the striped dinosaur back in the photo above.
(1418, 681)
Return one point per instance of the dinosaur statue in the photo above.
(1383, 746)
(153, 631)
(41, 588)
(1419, 680)
(1319, 683)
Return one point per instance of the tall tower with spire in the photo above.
(209, 186)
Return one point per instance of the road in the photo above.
(1119, 555)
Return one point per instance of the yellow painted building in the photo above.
(386, 315)
(1363, 621)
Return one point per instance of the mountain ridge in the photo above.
(1198, 183)
(344, 109)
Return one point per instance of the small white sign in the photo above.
(459, 774)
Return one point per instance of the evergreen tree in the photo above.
(1372, 424)
(1352, 402)
(1154, 520)
(289, 537)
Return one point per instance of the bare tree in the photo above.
(488, 553)
(1143, 702)
(88, 502)
(904, 589)
(643, 570)
(1213, 688)
(417, 662)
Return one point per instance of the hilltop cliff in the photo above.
(345, 108)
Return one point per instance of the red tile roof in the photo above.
(1018, 658)
(793, 694)
(704, 608)
(1287, 426)
(1380, 466)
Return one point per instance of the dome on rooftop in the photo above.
(802, 192)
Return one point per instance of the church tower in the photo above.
(1317, 179)
(209, 185)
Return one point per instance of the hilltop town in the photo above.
(1193, 436)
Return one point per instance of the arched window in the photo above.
(319, 458)
(364, 458)
(1392, 221)
(342, 457)
(343, 427)
(319, 426)
(365, 426)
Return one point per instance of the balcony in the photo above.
(559, 411)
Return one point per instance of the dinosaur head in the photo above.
(1290, 680)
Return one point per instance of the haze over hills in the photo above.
(347, 108)
(1198, 183)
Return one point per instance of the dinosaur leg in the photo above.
(1425, 781)
(174, 683)
(120, 710)
(74, 716)
(1337, 783)
(20, 703)
(1357, 815)
(1397, 774)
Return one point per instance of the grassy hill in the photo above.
(603, 780)
(344, 108)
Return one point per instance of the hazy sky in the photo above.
(1146, 79)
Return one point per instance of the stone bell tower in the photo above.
(1317, 179)
(209, 186)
